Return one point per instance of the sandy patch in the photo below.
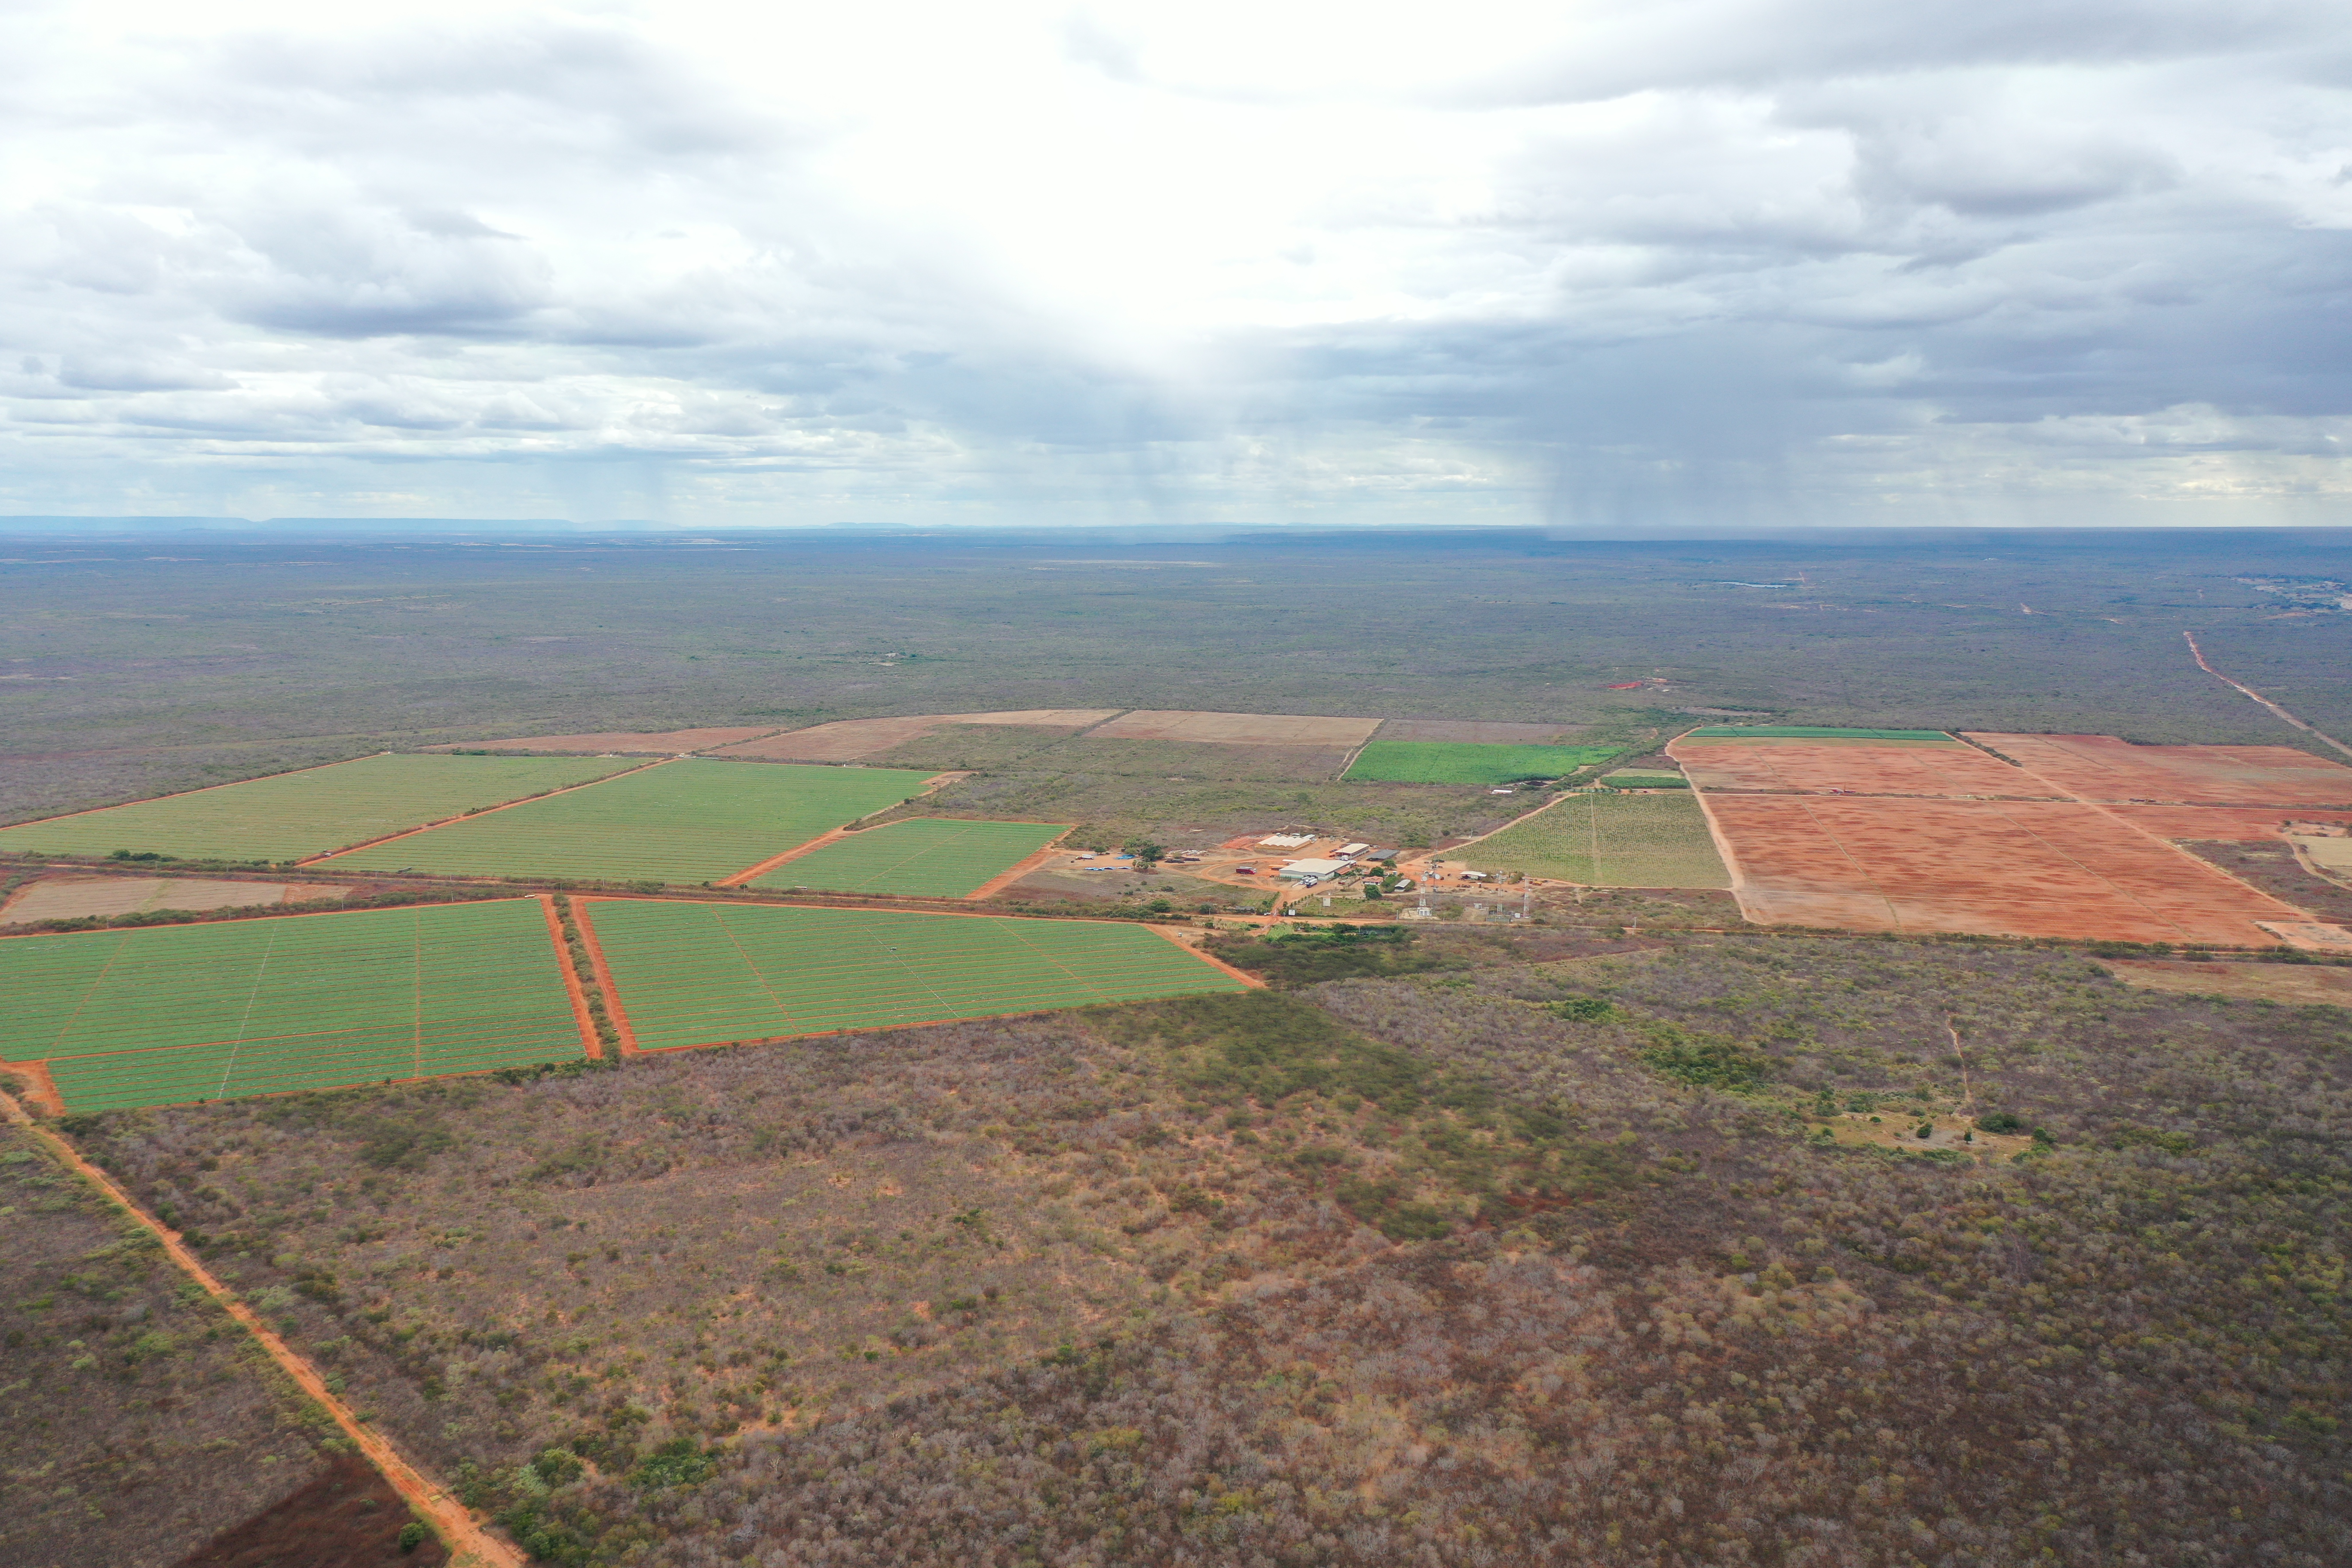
(626, 742)
(2101, 767)
(1236, 729)
(2290, 982)
(2017, 869)
(1477, 732)
(77, 898)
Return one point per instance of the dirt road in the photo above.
(469, 1545)
(2250, 691)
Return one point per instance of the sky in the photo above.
(1616, 265)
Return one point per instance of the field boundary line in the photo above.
(742, 879)
(758, 974)
(2129, 825)
(468, 1542)
(613, 1008)
(487, 811)
(1021, 867)
(1739, 877)
(1854, 860)
(82, 1005)
(589, 1041)
(519, 895)
(1173, 935)
(44, 1091)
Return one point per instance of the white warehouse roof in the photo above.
(1313, 867)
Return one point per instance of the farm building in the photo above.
(1313, 870)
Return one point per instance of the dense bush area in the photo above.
(1537, 1261)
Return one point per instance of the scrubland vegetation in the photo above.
(1471, 1254)
(136, 1418)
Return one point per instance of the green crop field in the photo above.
(289, 816)
(691, 821)
(696, 974)
(1609, 841)
(934, 855)
(173, 1013)
(1644, 778)
(1469, 763)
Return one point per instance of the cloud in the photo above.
(1618, 264)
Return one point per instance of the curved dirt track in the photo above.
(469, 1547)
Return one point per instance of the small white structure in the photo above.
(1286, 841)
(1311, 871)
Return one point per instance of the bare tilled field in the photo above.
(2101, 767)
(77, 898)
(2207, 823)
(856, 740)
(628, 744)
(2049, 869)
(1237, 728)
(2304, 984)
(1477, 732)
(1887, 767)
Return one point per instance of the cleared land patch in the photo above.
(2103, 768)
(1808, 732)
(932, 857)
(698, 974)
(1236, 729)
(1459, 763)
(1491, 731)
(1195, 760)
(174, 1014)
(2304, 984)
(690, 821)
(626, 742)
(2020, 868)
(289, 816)
(79, 897)
(856, 740)
(1608, 841)
(1865, 767)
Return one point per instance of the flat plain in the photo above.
(696, 974)
(689, 821)
(932, 857)
(627, 743)
(1608, 841)
(169, 1015)
(288, 815)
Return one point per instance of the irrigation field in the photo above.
(168, 1015)
(690, 821)
(1609, 841)
(1470, 762)
(289, 816)
(698, 974)
(929, 857)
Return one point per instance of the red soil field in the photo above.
(2241, 824)
(852, 739)
(1853, 767)
(2101, 767)
(1237, 728)
(625, 742)
(2049, 869)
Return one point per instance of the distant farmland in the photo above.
(692, 821)
(694, 975)
(938, 856)
(1469, 763)
(174, 1014)
(289, 816)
